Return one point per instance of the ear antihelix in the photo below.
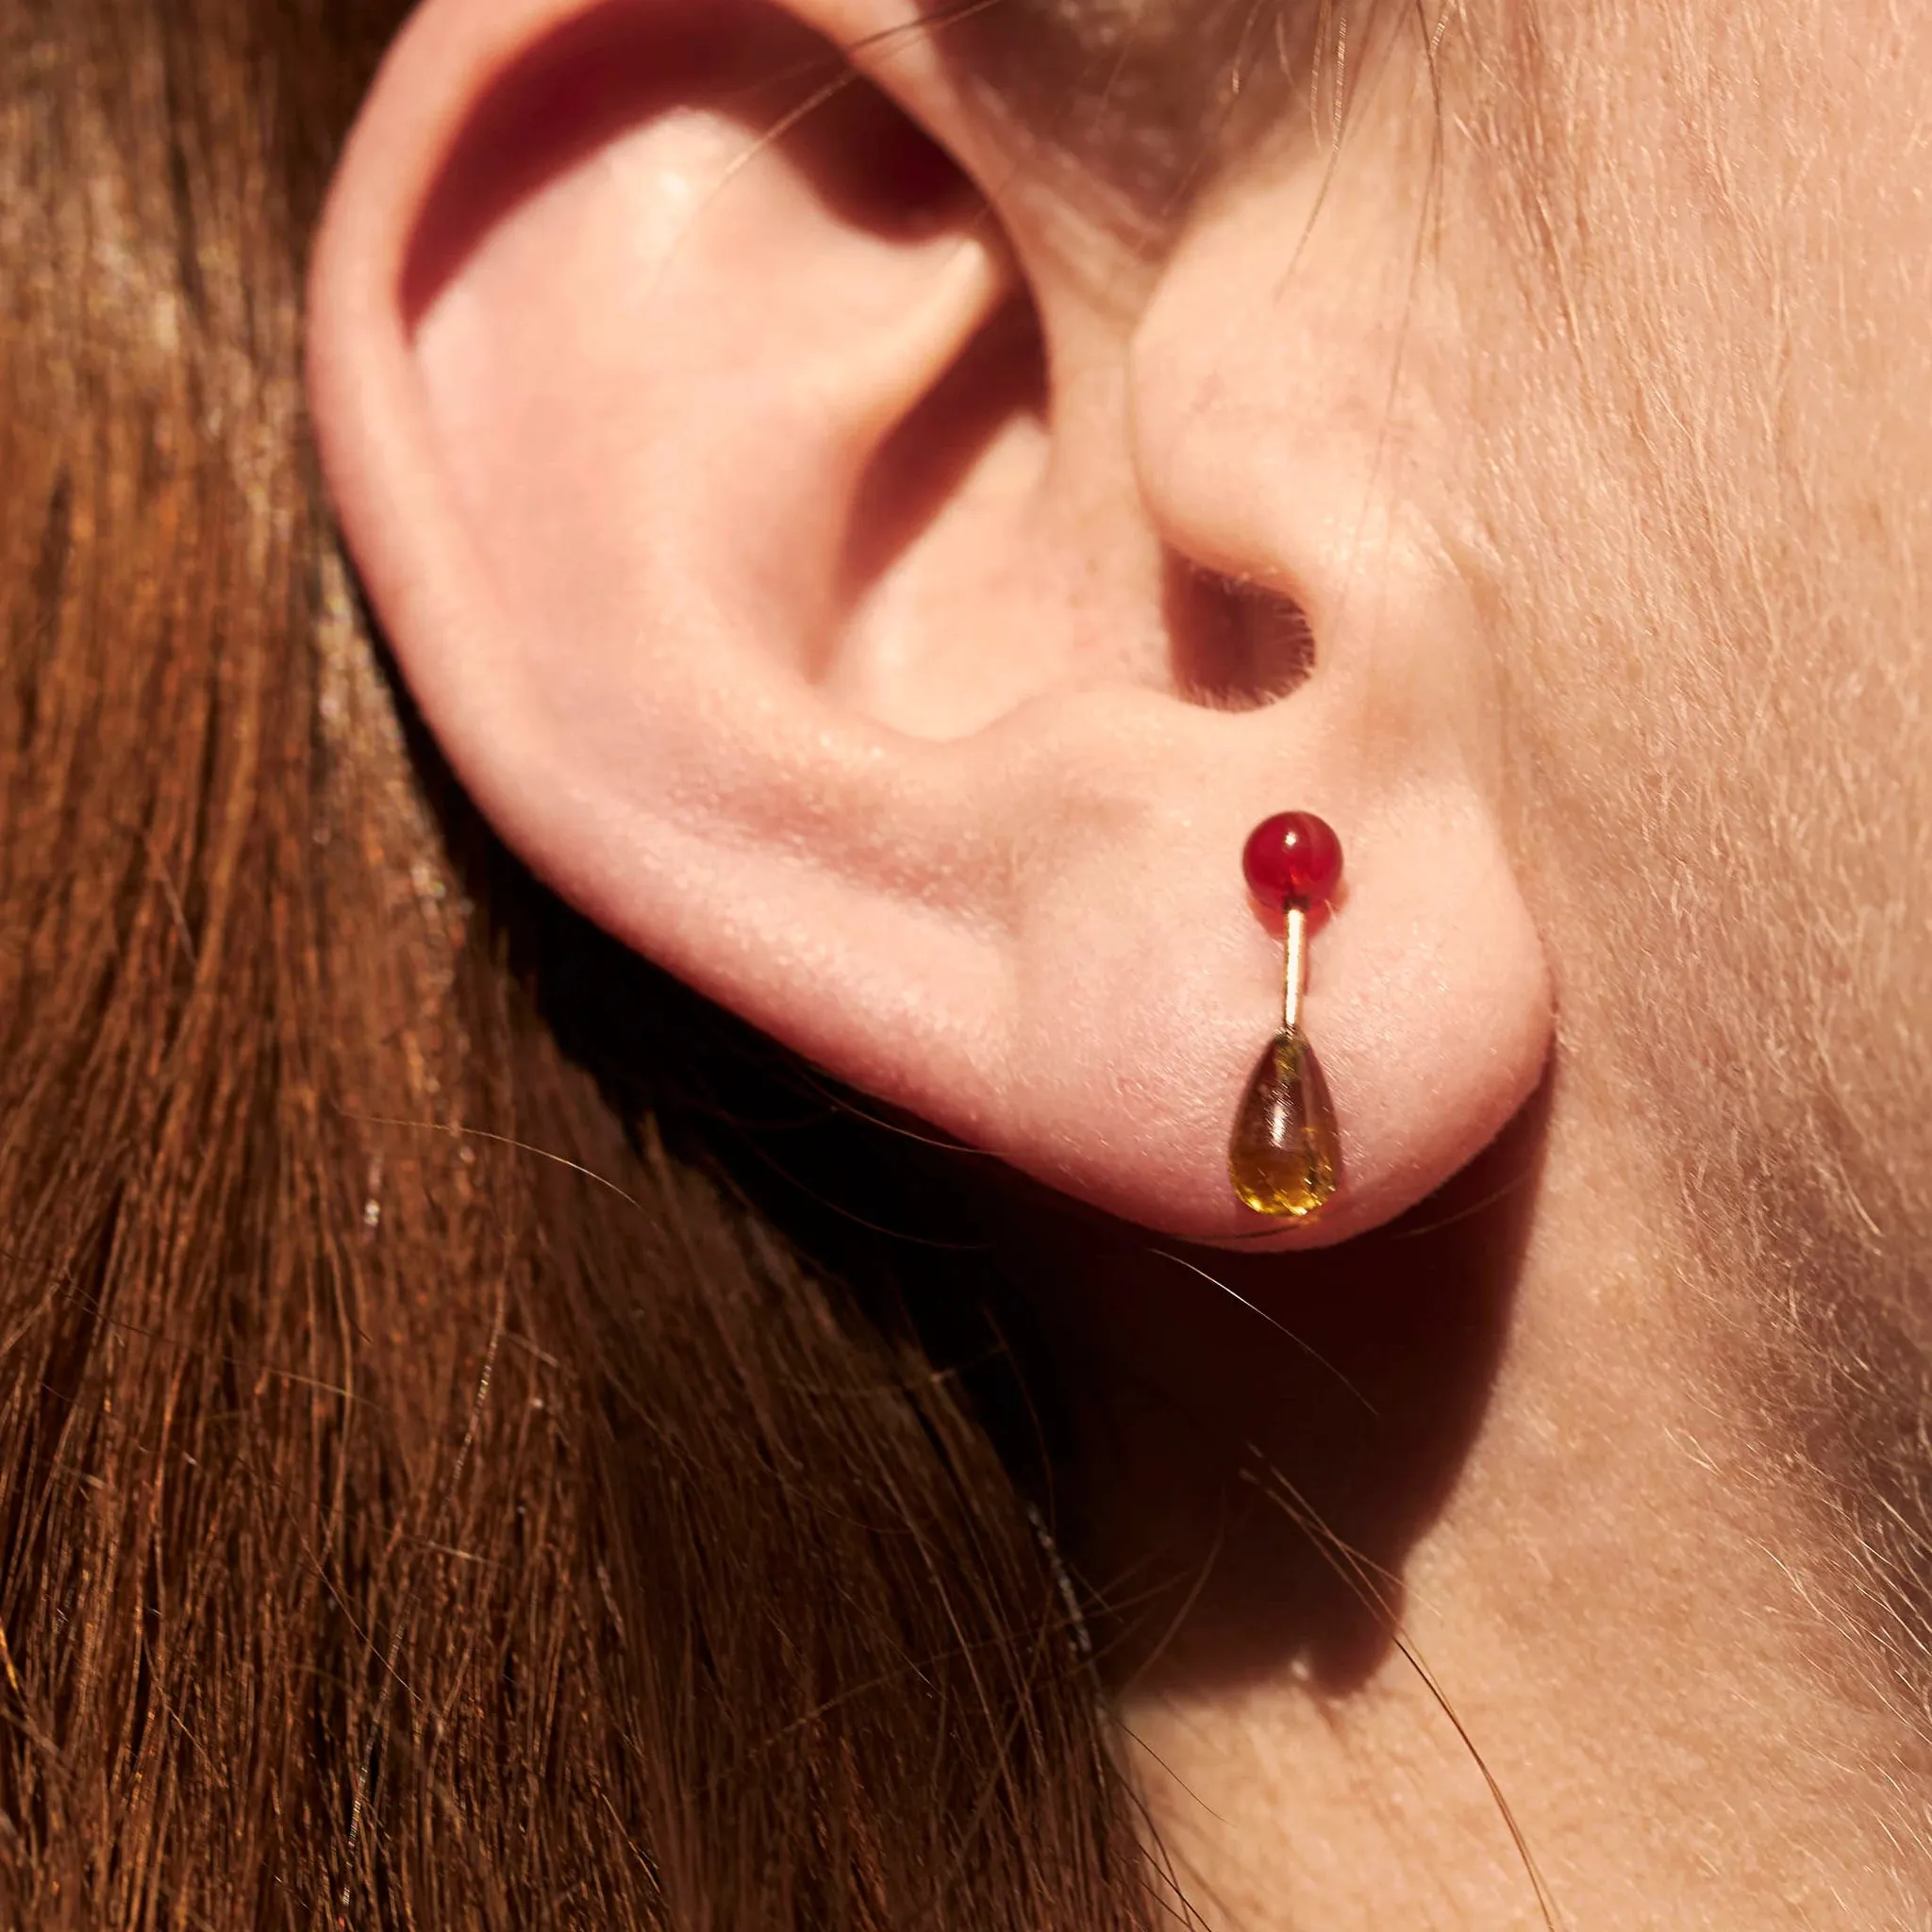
(966, 288)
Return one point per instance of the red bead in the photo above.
(1292, 859)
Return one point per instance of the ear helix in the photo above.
(1284, 1156)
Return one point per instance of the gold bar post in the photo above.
(1294, 966)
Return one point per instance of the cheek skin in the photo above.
(1702, 379)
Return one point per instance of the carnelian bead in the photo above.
(1293, 858)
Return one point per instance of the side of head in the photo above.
(872, 507)
(886, 587)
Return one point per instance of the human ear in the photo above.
(825, 581)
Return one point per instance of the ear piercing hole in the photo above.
(1234, 644)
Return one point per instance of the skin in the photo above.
(1579, 397)
(1672, 1594)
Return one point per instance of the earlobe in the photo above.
(784, 615)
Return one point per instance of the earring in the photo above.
(1283, 1157)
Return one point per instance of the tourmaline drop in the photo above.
(1282, 1156)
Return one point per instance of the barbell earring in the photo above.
(1284, 1156)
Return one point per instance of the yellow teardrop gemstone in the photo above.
(1283, 1154)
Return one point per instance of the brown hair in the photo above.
(434, 1492)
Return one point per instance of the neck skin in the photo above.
(1517, 1476)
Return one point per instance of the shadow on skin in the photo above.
(1236, 1484)
(1239, 1495)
